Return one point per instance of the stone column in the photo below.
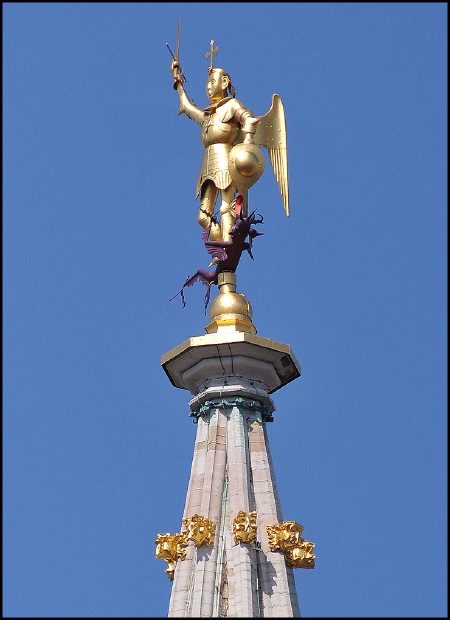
(243, 556)
(184, 574)
(279, 596)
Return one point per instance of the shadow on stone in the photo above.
(204, 554)
(268, 570)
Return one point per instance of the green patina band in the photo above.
(242, 403)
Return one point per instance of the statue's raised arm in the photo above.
(186, 105)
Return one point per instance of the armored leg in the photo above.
(227, 212)
(206, 211)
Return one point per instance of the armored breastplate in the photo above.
(214, 131)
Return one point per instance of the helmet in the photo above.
(246, 165)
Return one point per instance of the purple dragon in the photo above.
(226, 254)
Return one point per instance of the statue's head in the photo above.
(218, 84)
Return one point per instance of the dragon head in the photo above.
(242, 226)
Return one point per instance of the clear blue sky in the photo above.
(100, 231)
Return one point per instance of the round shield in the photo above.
(246, 164)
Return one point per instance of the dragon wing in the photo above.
(271, 133)
(218, 251)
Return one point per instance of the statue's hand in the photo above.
(249, 127)
(177, 73)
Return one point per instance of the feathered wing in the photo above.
(271, 133)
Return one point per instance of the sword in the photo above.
(176, 56)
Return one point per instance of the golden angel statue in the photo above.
(231, 134)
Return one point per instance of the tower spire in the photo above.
(234, 554)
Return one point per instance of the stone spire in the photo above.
(234, 555)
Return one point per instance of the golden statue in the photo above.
(231, 135)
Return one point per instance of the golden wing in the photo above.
(271, 133)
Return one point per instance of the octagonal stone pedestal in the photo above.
(230, 362)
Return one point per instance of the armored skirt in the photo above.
(215, 167)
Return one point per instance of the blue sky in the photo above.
(100, 231)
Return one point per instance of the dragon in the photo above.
(226, 254)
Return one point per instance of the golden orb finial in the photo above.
(230, 311)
